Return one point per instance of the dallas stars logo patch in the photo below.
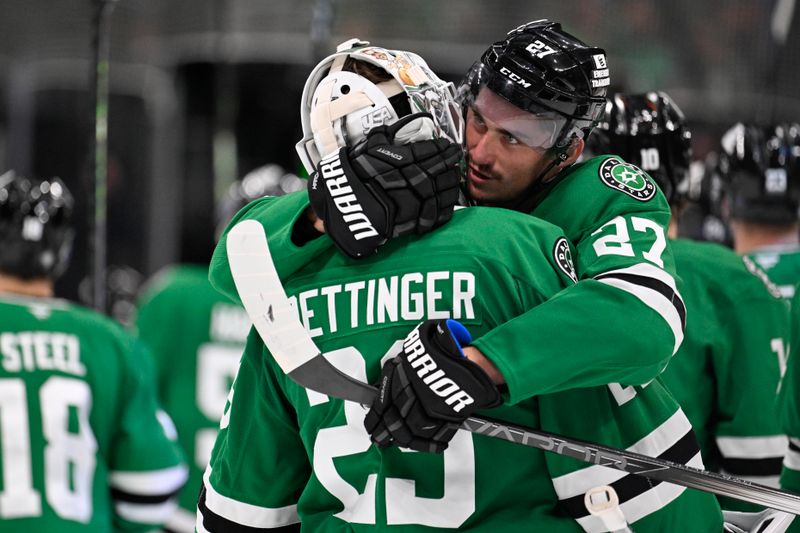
(563, 257)
(627, 178)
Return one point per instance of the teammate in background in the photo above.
(739, 324)
(195, 368)
(701, 217)
(760, 167)
(286, 454)
(83, 446)
(789, 406)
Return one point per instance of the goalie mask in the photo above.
(35, 226)
(338, 107)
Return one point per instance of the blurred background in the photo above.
(202, 92)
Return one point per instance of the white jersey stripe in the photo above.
(753, 447)
(149, 513)
(654, 444)
(642, 505)
(245, 513)
(181, 521)
(650, 271)
(164, 481)
(655, 301)
(792, 458)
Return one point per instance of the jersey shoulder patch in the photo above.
(627, 178)
(563, 257)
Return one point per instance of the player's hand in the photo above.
(390, 184)
(428, 390)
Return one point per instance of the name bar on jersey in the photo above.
(406, 297)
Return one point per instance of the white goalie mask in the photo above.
(338, 108)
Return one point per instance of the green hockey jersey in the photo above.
(782, 265)
(789, 402)
(617, 218)
(726, 373)
(197, 337)
(286, 454)
(84, 446)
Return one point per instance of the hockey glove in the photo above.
(428, 390)
(388, 185)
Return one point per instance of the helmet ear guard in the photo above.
(338, 108)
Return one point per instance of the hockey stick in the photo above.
(98, 160)
(294, 350)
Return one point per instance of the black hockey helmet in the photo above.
(267, 180)
(649, 131)
(35, 226)
(544, 70)
(760, 167)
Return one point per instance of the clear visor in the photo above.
(537, 129)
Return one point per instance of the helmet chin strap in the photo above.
(530, 197)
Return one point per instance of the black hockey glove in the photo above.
(383, 188)
(428, 390)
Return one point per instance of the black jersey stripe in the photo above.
(120, 495)
(214, 523)
(630, 485)
(793, 447)
(654, 284)
(765, 466)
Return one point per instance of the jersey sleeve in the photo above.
(146, 467)
(624, 318)
(278, 215)
(259, 465)
(789, 402)
(748, 435)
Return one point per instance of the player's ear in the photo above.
(573, 152)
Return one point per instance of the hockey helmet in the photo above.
(760, 167)
(549, 73)
(338, 107)
(267, 180)
(649, 131)
(35, 226)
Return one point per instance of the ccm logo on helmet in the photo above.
(433, 376)
(516, 78)
(344, 199)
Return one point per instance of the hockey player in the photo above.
(529, 102)
(739, 324)
(286, 454)
(83, 446)
(760, 167)
(196, 368)
(789, 406)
